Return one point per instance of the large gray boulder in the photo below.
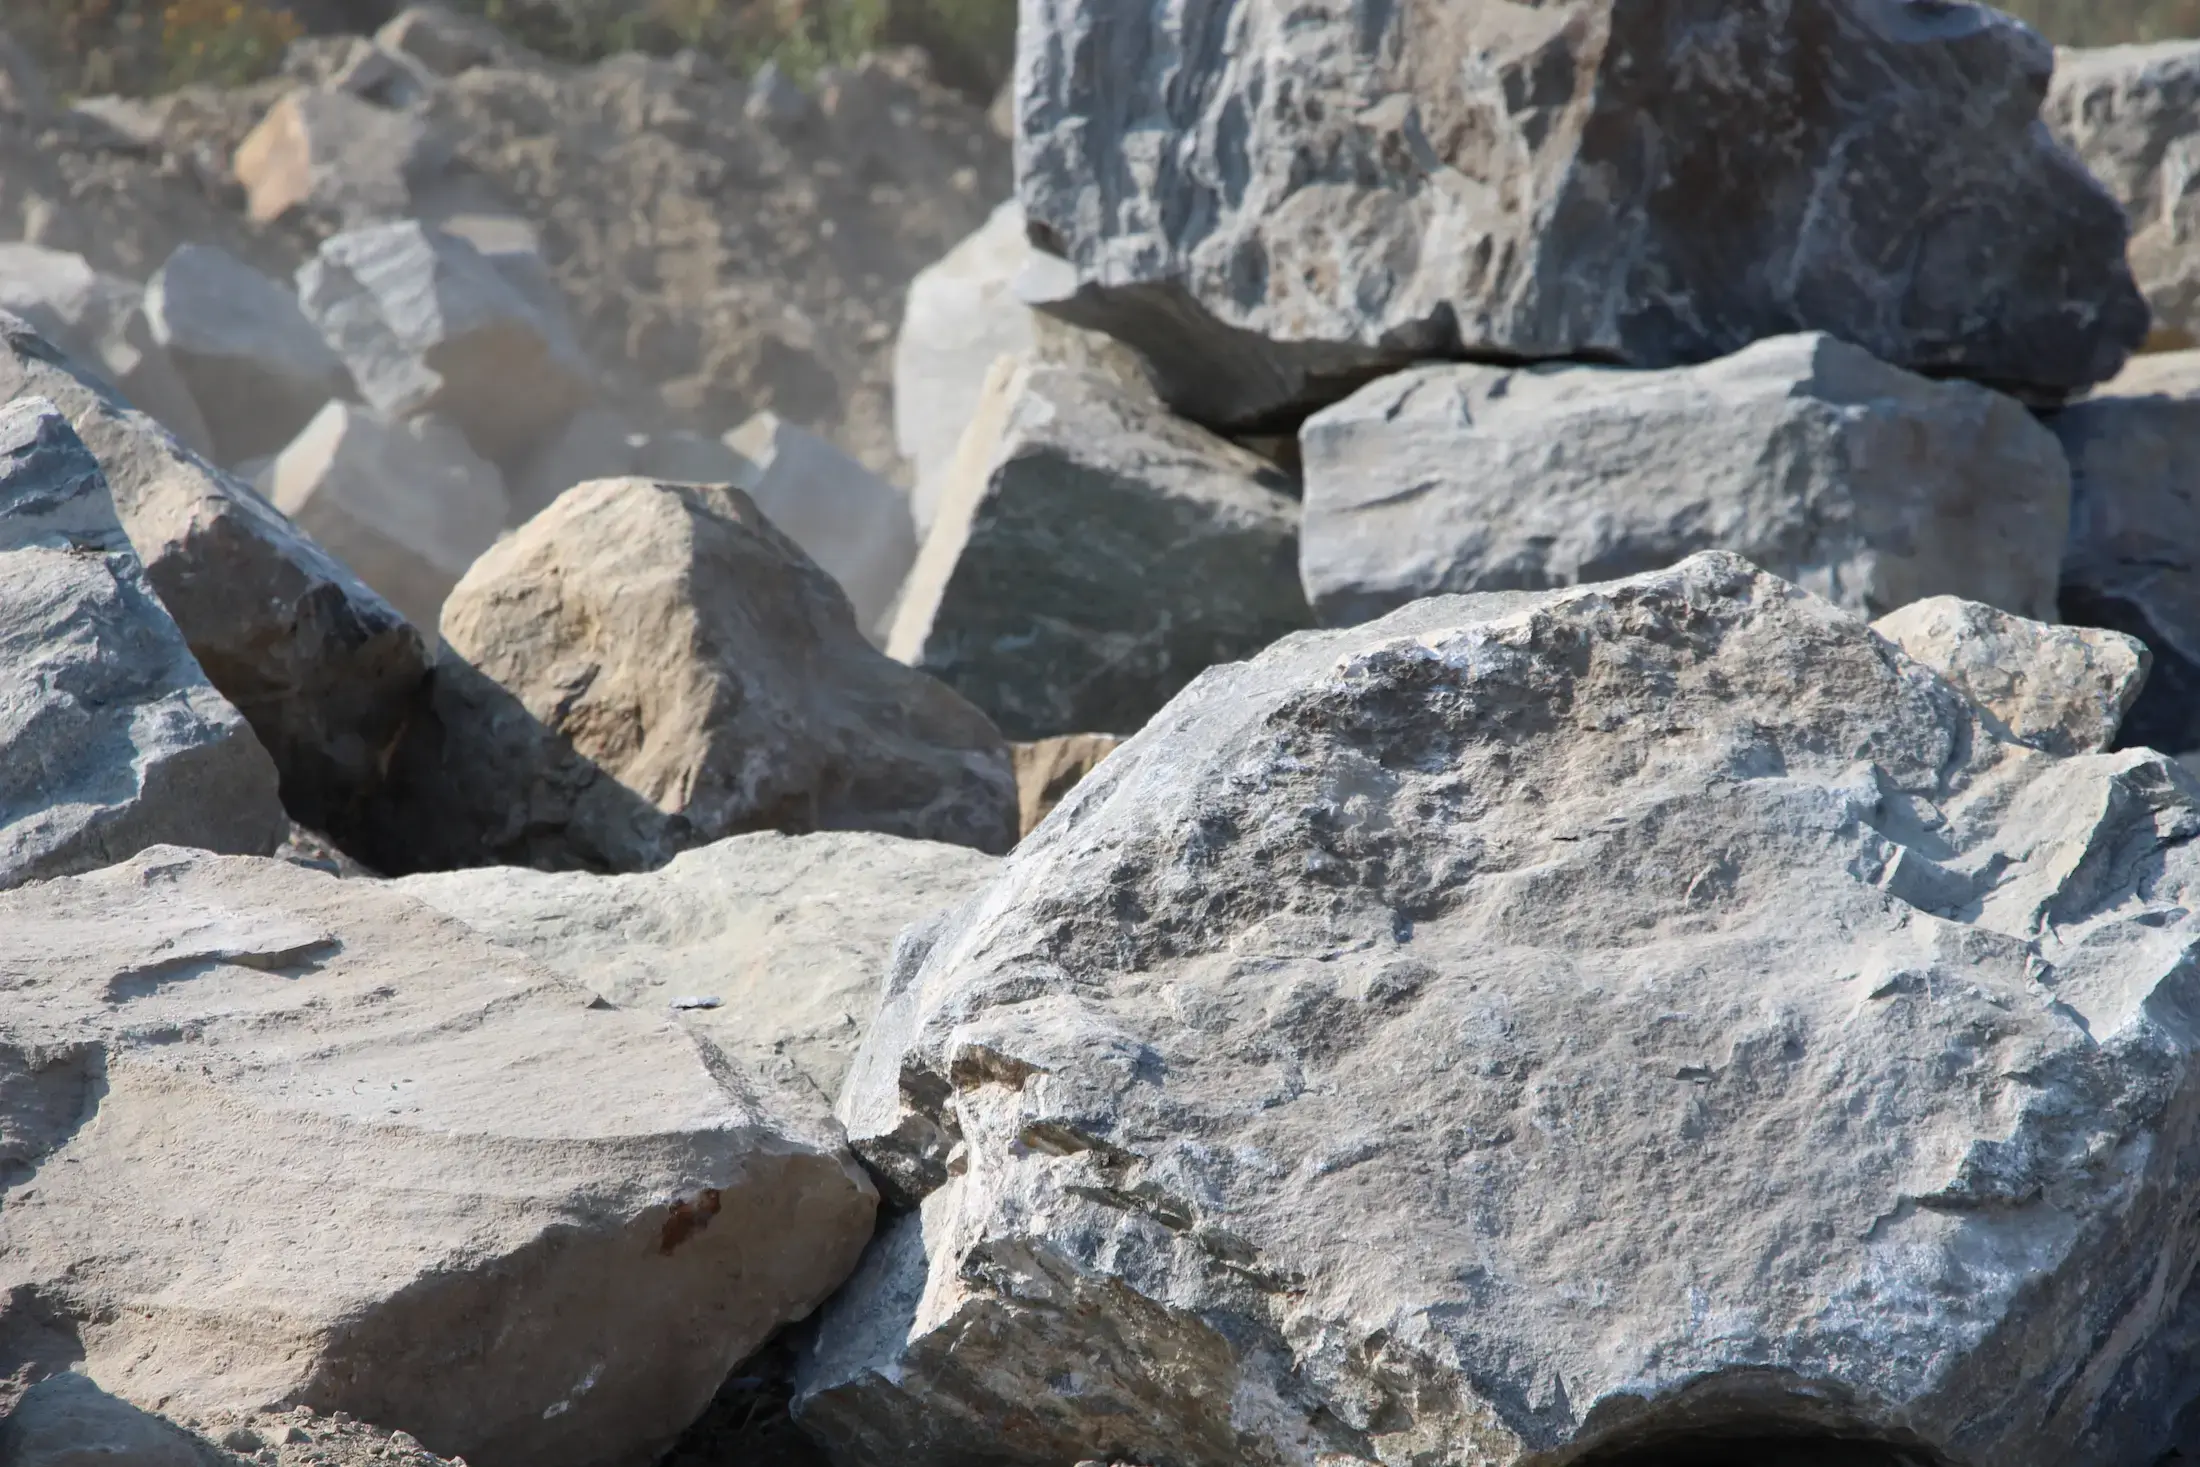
(111, 738)
(646, 667)
(279, 1138)
(1092, 554)
(1277, 200)
(2134, 558)
(1548, 1028)
(772, 945)
(324, 670)
(1868, 485)
(2132, 115)
(428, 324)
(255, 365)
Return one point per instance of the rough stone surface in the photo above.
(1094, 554)
(1276, 201)
(283, 1138)
(646, 667)
(691, 458)
(2062, 689)
(409, 505)
(67, 1421)
(2132, 114)
(446, 43)
(785, 937)
(254, 364)
(1534, 1029)
(427, 324)
(2133, 562)
(111, 739)
(1869, 485)
(100, 322)
(1048, 769)
(336, 155)
(324, 669)
(847, 519)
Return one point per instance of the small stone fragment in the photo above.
(2062, 689)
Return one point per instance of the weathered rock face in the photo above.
(771, 945)
(67, 1421)
(2134, 556)
(1092, 555)
(254, 364)
(1277, 201)
(1862, 482)
(2062, 689)
(282, 1138)
(428, 325)
(646, 667)
(100, 322)
(324, 669)
(1536, 1026)
(111, 739)
(2132, 113)
(1048, 769)
(851, 522)
(407, 505)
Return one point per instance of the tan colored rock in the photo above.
(324, 669)
(278, 1138)
(340, 157)
(2062, 689)
(1049, 769)
(409, 505)
(645, 667)
(772, 945)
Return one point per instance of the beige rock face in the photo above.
(344, 158)
(2062, 689)
(784, 937)
(321, 667)
(277, 1137)
(645, 667)
(1548, 1028)
(1046, 771)
(111, 739)
(407, 505)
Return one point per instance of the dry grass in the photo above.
(2108, 22)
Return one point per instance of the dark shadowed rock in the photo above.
(1276, 201)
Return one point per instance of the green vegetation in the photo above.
(2108, 22)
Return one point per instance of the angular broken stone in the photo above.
(1047, 770)
(2132, 115)
(99, 320)
(775, 942)
(1277, 201)
(1092, 555)
(409, 505)
(427, 324)
(1348, 1070)
(2133, 563)
(111, 738)
(324, 669)
(2062, 689)
(1869, 485)
(646, 667)
(255, 365)
(846, 518)
(277, 1137)
(338, 156)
